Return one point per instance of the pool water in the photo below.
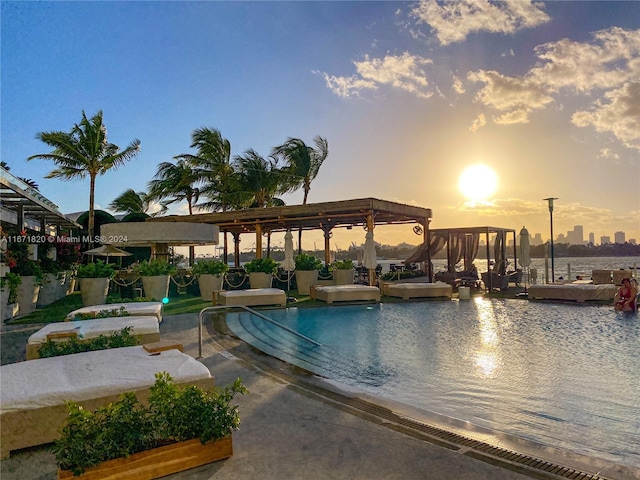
(562, 375)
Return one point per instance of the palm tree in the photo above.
(212, 163)
(302, 165)
(175, 183)
(85, 151)
(131, 201)
(258, 181)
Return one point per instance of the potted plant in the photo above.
(94, 282)
(9, 286)
(53, 275)
(343, 271)
(156, 275)
(178, 429)
(210, 275)
(307, 267)
(261, 271)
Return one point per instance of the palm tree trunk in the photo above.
(92, 193)
(192, 249)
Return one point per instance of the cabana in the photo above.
(33, 394)
(463, 244)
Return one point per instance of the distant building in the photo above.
(632, 241)
(576, 236)
(619, 237)
(536, 239)
(604, 240)
(592, 238)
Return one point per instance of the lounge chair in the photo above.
(145, 329)
(133, 308)
(419, 290)
(573, 292)
(347, 293)
(33, 393)
(253, 297)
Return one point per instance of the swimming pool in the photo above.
(561, 375)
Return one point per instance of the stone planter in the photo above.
(157, 462)
(156, 287)
(4, 270)
(305, 279)
(67, 285)
(94, 291)
(343, 277)
(260, 280)
(10, 312)
(208, 284)
(50, 288)
(28, 292)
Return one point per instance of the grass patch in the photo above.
(55, 312)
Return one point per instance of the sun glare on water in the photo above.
(478, 183)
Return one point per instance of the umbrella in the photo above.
(370, 257)
(525, 255)
(107, 251)
(288, 263)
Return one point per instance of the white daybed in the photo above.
(145, 329)
(347, 293)
(133, 308)
(253, 297)
(574, 292)
(419, 290)
(33, 393)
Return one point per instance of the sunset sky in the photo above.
(408, 95)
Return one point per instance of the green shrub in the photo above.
(116, 312)
(121, 338)
(212, 267)
(127, 426)
(305, 261)
(97, 269)
(154, 267)
(346, 264)
(265, 265)
(13, 281)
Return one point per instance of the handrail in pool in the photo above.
(252, 311)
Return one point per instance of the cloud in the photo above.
(612, 59)
(517, 97)
(405, 72)
(478, 123)
(618, 113)
(605, 71)
(453, 21)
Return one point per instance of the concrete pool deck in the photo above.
(289, 430)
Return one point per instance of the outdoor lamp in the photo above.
(550, 200)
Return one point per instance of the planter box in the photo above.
(156, 286)
(157, 462)
(305, 279)
(94, 291)
(28, 292)
(208, 284)
(344, 277)
(260, 280)
(49, 291)
(10, 311)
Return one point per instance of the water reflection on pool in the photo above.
(558, 374)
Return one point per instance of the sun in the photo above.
(478, 182)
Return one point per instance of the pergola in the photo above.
(25, 206)
(364, 212)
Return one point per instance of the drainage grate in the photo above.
(480, 450)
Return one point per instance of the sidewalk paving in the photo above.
(286, 432)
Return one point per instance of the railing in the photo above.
(252, 311)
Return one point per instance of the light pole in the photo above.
(550, 200)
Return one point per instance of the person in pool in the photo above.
(625, 298)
